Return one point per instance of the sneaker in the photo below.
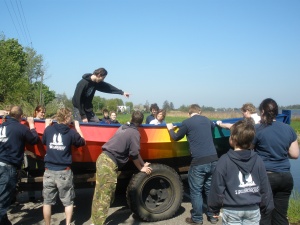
(190, 221)
(213, 220)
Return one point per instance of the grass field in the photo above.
(174, 116)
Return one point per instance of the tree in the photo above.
(98, 103)
(130, 105)
(112, 104)
(183, 108)
(34, 67)
(14, 83)
(172, 106)
(147, 106)
(166, 106)
(47, 95)
(61, 100)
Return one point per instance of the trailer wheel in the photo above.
(157, 196)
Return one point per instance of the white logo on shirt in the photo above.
(57, 143)
(247, 178)
(246, 183)
(3, 137)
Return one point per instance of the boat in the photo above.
(153, 197)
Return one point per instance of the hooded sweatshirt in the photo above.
(240, 182)
(59, 139)
(85, 91)
(13, 136)
(124, 144)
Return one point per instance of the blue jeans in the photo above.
(282, 185)
(247, 217)
(199, 177)
(8, 181)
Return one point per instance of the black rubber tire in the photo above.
(157, 196)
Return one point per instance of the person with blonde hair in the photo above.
(58, 176)
(248, 110)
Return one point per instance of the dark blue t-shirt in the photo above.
(272, 143)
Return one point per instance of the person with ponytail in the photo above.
(276, 142)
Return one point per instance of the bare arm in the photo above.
(142, 167)
(224, 125)
(294, 150)
(48, 122)
(77, 127)
(30, 122)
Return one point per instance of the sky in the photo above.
(215, 53)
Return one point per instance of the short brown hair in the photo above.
(242, 133)
(100, 72)
(137, 118)
(16, 112)
(163, 112)
(248, 107)
(194, 108)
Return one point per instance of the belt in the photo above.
(67, 168)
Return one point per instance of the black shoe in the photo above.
(190, 221)
(213, 220)
(5, 220)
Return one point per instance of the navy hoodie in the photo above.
(240, 182)
(13, 136)
(85, 91)
(59, 139)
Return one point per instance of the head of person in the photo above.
(105, 113)
(39, 112)
(242, 133)
(16, 112)
(268, 111)
(161, 114)
(154, 109)
(64, 116)
(113, 115)
(248, 109)
(100, 74)
(137, 118)
(194, 108)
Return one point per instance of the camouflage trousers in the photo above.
(104, 194)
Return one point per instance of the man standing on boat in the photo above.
(198, 130)
(85, 91)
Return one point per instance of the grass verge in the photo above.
(294, 208)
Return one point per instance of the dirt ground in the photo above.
(30, 213)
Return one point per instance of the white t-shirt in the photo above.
(156, 122)
(256, 118)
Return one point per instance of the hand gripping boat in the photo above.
(152, 197)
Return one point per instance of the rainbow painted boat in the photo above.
(153, 197)
(156, 144)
